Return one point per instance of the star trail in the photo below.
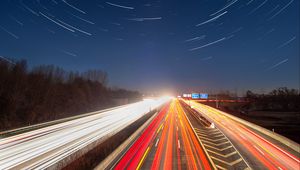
(146, 45)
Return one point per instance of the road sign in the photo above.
(195, 96)
(187, 95)
(203, 96)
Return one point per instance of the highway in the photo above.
(259, 151)
(44, 147)
(169, 142)
(180, 136)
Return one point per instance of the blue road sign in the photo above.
(203, 96)
(195, 96)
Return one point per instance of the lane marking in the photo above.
(242, 123)
(225, 156)
(218, 148)
(166, 117)
(195, 135)
(213, 140)
(243, 137)
(199, 134)
(181, 123)
(206, 114)
(218, 135)
(156, 142)
(177, 128)
(178, 144)
(207, 133)
(228, 163)
(259, 150)
(159, 128)
(220, 167)
(218, 144)
(142, 160)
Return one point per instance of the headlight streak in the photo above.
(167, 143)
(44, 147)
(269, 154)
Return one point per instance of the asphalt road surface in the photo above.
(169, 142)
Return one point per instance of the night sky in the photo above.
(167, 45)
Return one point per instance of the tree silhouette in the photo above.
(48, 92)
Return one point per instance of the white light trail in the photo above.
(225, 7)
(145, 19)
(77, 29)
(57, 23)
(287, 42)
(82, 19)
(119, 6)
(41, 148)
(278, 64)
(72, 6)
(195, 38)
(277, 13)
(10, 33)
(211, 43)
(259, 6)
(212, 19)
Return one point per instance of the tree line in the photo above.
(280, 99)
(47, 92)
